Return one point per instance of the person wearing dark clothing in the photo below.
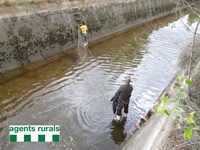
(124, 94)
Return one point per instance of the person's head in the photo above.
(127, 80)
(83, 23)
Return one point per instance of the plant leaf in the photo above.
(181, 95)
(160, 110)
(193, 114)
(190, 120)
(179, 125)
(188, 81)
(165, 99)
(179, 78)
(166, 112)
(177, 112)
(188, 133)
(184, 102)
(181, 89)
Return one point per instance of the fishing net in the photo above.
(82, 48)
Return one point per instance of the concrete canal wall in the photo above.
(27, 38)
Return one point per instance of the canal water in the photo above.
(74, 92)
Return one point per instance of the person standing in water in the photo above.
(124, 94)
(84, 30)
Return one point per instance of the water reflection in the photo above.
(118, 133)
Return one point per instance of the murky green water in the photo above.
(76, 94)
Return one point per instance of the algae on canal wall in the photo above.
(27, 38)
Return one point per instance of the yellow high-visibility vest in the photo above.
(83, 28)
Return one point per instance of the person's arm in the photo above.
(116, 94)
(131, 90)
(119, 90)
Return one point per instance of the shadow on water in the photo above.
(118, 133)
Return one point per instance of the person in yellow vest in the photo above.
(84, 29)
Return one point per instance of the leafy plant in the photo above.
(188, 133)
(180, 109)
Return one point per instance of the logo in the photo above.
(34, 133)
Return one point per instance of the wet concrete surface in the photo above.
(75, 93)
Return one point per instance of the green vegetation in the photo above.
(182, 111)
(185, 112)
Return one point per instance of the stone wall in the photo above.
(27, 38)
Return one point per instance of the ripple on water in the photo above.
(95, 118)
